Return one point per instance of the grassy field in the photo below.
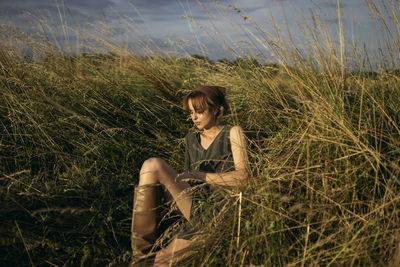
(324, 154)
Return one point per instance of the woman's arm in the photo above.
(239, 176)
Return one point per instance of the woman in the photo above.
(214, 155)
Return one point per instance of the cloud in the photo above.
(158, 19)
(10, 11)
(73, 8)
(330, 4)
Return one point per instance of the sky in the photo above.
(216, 29)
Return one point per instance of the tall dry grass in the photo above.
(323, 144)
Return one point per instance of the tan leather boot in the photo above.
(144, 219)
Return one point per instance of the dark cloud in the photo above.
(91, 10)
(196, 17)
(330, 4)
(163, 3)
(68, 7)
(327, 11)
(89, 4)
(332, 21)
(11, 11)
(166, 17)
(51, 4)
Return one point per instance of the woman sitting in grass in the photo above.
(216, 154)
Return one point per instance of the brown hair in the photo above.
(207, 97)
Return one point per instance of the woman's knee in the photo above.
(152, 164)
(149, 173)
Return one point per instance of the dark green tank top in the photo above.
(216, 158)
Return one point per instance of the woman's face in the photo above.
(203, 119)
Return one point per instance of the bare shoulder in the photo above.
(239, 148)
(236, 131)
(237, 134)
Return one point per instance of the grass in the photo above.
(324, 153)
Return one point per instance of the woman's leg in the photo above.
(154, 174)
(171, 252)
(144, 219)
(155, 170)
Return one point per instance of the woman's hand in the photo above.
(183, 177)
(190, 176)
